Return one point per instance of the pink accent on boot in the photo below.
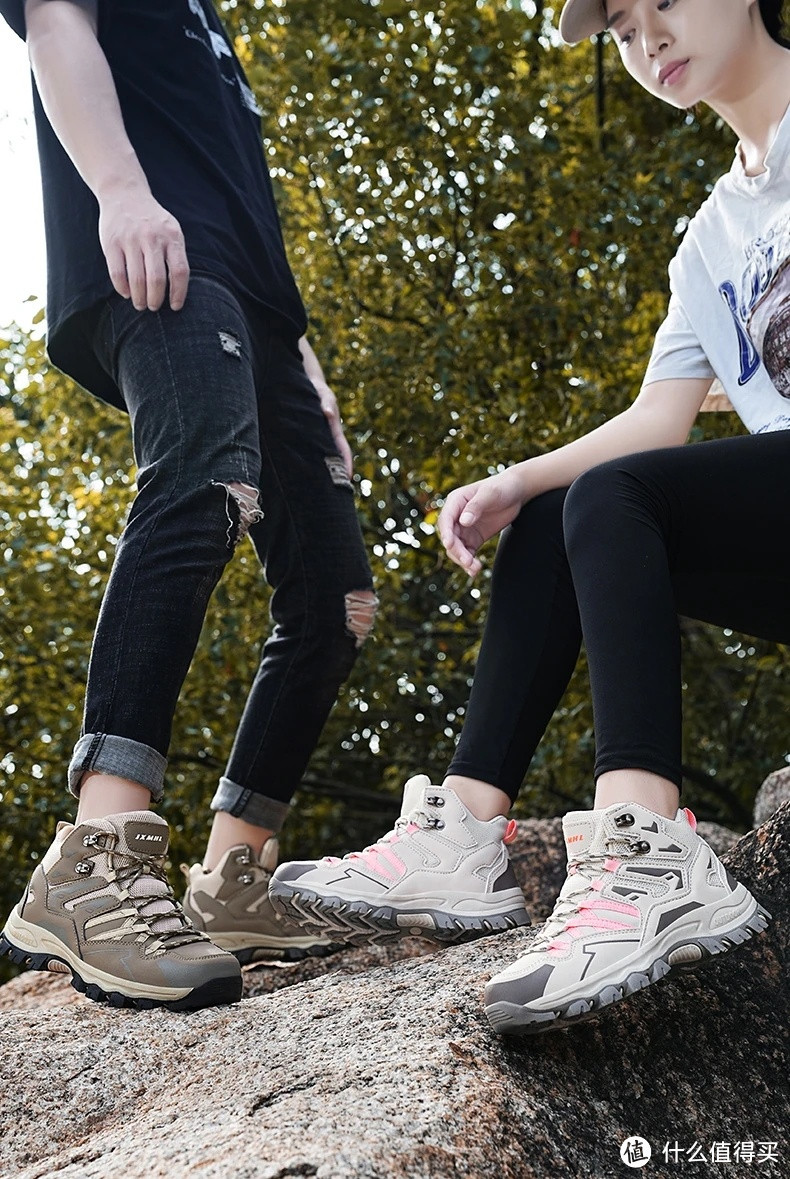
(691, 818)
(615, 906)
(396, 862)
(372, 857)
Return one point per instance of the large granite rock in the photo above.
(774, 791)
(379, 1063)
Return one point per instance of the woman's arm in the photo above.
(142, 242)
(662, 415)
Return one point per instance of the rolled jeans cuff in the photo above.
(105, 753)
(246, 804)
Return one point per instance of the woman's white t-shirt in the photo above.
(729, 309)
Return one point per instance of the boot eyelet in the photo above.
(243, 858)
(437, 824)
(83, 867)
(246, 878)
(642, 847)
(435, 800)
(626, 820)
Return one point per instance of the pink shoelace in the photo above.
(580, 910)
(380, 857)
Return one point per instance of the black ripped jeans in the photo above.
(697, 530)
(222, 414)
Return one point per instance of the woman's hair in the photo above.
(771, 12)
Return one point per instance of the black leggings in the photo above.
(699, 530)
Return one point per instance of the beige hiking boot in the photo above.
(232, 905)
(440, 874)
(645, 897)
(99, 907)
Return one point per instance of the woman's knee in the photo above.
(608, 495)
(590, 491)
(541, 518)
(591, 503)
(534, 539)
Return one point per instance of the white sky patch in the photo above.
(22, 257)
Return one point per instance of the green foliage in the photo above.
(483, 253)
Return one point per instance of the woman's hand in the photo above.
(473, 514)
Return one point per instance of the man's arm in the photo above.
(662, 415)
(328, 403)
(142, 242)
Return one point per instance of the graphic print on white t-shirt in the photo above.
(760, 307)
(769, 326)
(217, 43)
(729, 309)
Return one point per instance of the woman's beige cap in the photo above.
(581, 19)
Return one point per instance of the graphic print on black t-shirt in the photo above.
(761, 308)
(217, 43)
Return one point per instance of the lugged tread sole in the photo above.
(214, 993)
(515, 1020)
(359, 923)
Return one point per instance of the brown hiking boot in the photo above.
(231, 903)
(99, 906)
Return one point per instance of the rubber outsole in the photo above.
(216, 992)
(292, 954)
(514, 1019)
(359, 923)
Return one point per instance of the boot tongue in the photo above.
(142, 833)
(584, 831)
(139, 832)
(269, 854)
(413, 794)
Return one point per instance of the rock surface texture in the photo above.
(379, 1064)
(774, 791)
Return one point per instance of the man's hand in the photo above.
(332, 414)
(473, 514)
(144, 248)
(328, 403)
(142, 242)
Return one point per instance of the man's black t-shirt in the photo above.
(194, 124)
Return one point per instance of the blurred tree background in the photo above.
(480, 220)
